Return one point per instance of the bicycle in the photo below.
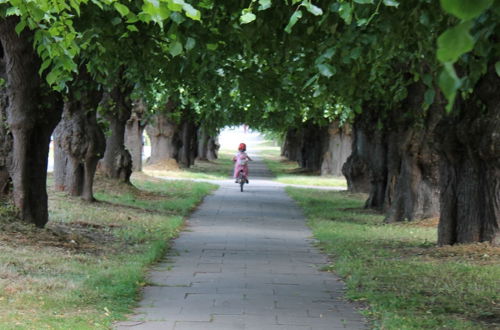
(242, 180)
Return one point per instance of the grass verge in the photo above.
(219, 169)
(288, 172)
(84, 270)
(397, 270)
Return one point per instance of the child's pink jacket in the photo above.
(241, 160)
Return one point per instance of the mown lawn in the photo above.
(85, 269)
(405, 280)
(288, 172)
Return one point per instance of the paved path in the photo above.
(245, 262)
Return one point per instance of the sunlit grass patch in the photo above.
(83, 270)
(288, 172)
(406, 280)
(219, 169)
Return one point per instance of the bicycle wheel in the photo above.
(242, 181)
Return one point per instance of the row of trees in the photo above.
(414, 86)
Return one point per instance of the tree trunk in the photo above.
(189, 144)
(313, 146)
(5, 137)
(117, 161)
(356, 169)
(377, 162)
(339, 146)
(79, 142)
(203, 140)
(163, 134)
(133, 134)
(292, 144)
(412, 188)
(32, 115)
(469, 150)
(213, 148)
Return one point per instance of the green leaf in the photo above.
(326, 70)
(132, 28)
(391, 3)
(52, 77)
(247, 17)
(175, 48)
(293, 20)
(429, 97)
(122, 9)
(190, 43)
(264, 4)
(427, 79)
(466, 9)
(455, 42)
(212, 46)
(449, 84)
(20, 26)
(497, 67)
(315, 10)
(345, 11)
(364, 2)
(191, 12)
(45, 65)
(310, 81)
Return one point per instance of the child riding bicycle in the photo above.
(241, 160)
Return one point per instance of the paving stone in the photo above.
(246, 261)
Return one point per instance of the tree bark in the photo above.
(292, 145)
(32, 115)
(189, 145)
(213, 148)
(5, 136)
(79, 142)
(163, 134)
(203, 141)
(412, 180)
(133, 134)
(313, 146)
(469, 150)
(356, 169)
(117, 161)
(339, 147)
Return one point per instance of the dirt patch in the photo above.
(481, 253)
(427, 223)
(110, 186)
(164, 165)
(73, 237)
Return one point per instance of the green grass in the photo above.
(85, 269)
(405, 280)
(288, 172)
(219, 169)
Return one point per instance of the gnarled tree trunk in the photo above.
(5, 136)
(79, 142)
(32, 115)
(117, 161)
(356, 169)
(213, 148)
(339, 147)
(163, 133)
(412, 188)
(469, 150)
(133, 134)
